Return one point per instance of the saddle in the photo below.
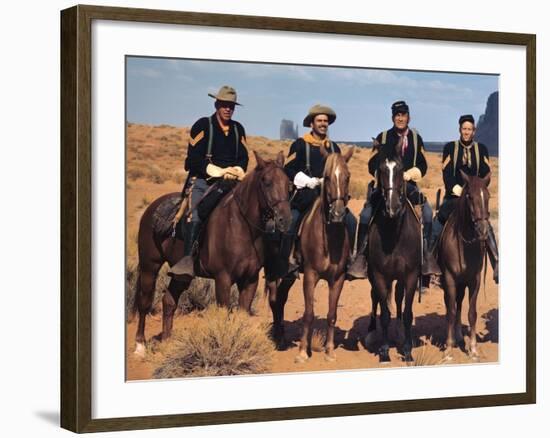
(213, 196)
(164, 215)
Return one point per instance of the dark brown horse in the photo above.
(394, 252)
(461, 252)
(325, 248)
(231, 247)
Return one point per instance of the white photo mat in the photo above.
(112, 396)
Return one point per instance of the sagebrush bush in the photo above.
(221, 343)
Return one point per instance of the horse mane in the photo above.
(389, 152)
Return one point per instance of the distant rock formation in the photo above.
(487, 126)
(288, 131)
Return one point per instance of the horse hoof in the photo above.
(474, 356)
(384, 356)
(140, 349)
(370, 339)
(448, 355)
(330, 357)
(301, 358)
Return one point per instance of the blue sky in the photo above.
(174, 92)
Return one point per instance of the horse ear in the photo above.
(487, 179)
(347, 156)
(259, 160)
(465, 176)
(280, 160)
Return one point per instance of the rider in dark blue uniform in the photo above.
(473, 159)
(217, 149)
(304, 168)
(415, 167)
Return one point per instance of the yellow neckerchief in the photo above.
(309, 138)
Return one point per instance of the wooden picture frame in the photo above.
(76, 217)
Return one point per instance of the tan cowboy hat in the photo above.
(315, 110)
(226, 94)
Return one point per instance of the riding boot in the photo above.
(429, 265)
(184, 268)
(492, 251)
(358, 267)
(287, 262)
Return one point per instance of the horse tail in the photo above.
(135, 295)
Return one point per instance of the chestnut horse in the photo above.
(394, 252)
(325, 248)
(461, 252)
(230, 249)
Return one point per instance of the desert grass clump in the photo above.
(427, 355)
(222, 343)
(318, 340)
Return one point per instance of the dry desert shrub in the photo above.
(427, 355)
(318, 340)
(222, 343)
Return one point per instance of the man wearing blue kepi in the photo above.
(473, 159)
(415, 167)
(304, 167)
(217, 150)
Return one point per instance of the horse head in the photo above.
(335, 187)
(475, 195)
(274, 187)
(391, 182)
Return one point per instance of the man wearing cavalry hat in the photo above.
(217, 150)
(473, 159)
(304, 168)
(415, 167)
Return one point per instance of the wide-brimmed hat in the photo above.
(226, 94)
(315, 110)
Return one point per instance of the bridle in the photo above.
(386, 191)
(473, 218)
(267, 205)
(332, 203)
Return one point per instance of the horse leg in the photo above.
(169, 305)
(371, 331)
(473, 290)
(335, 288)
(383, 286)
(223, 290)
(450, 304)
(408, 316)
(278, 295)
(459, 337)
(247, 290)
(145, 293)
(310, 281)
(399, 295)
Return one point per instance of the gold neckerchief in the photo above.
(309, 138)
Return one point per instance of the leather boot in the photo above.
(357, 269)
(492, 251)
(184, 268)
(429, 264)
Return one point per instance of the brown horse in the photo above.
(461, 252)
(230, 249)
(325, 248)
(394, 252)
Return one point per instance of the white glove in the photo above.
(215, 171)
(457, 190)
(313, 182)
(413, 174)
(301, 180)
